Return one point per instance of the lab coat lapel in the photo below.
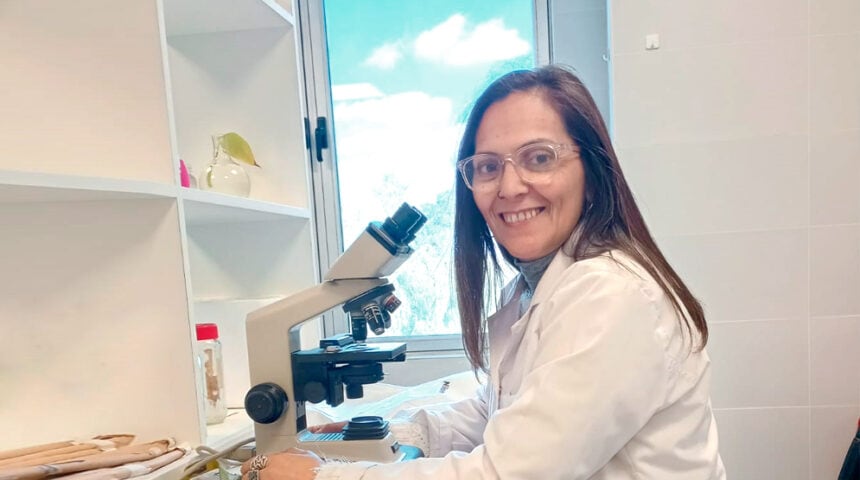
(544, 289)
(501, 322)
(515, 351)
(500, 331)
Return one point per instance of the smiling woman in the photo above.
(402, 77)
(530, 215)
(596, 354)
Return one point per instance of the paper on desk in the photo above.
(112, 458)
(53, 452)
(130, 470)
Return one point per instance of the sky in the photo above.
(434, 46)
(403, 75)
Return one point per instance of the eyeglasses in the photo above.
(535, 163)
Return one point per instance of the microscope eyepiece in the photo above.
(401, 226)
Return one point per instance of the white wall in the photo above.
(741, 139)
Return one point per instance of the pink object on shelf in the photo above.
(184, 179)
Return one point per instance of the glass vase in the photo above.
(224, 174)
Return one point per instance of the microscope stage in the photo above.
(354, 353)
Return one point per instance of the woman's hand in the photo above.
(335, 427)
(292, 464)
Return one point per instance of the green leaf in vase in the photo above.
(236, 146)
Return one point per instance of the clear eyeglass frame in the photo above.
(522, 159)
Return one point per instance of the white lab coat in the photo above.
(595, 381)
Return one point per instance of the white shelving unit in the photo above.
(108, 263)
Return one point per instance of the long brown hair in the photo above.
(611, 220)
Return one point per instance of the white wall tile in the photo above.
(834, 270)
(711, 93)
(759, 364)
(834, 16)
(737, 74)
(744, 276)
(765, 444)
(685, 23)
(834, 79)
(748, 184)
(835, 360)
(834, 170)
(831, 434)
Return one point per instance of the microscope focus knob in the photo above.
(354, 390)
(266, 402)
(315, 392)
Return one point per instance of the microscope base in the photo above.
(333, 446)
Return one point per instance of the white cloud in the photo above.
(410, 136)
(385, 57)
(452, 43)
(354, 91)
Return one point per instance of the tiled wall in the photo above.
(741, 138)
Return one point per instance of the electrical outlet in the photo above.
(652, 41)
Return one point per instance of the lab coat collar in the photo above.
(551, 277)
(507, 326)
(547, 284)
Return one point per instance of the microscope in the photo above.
(284, 377)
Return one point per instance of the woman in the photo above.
(596, 352)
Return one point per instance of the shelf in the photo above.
(242, 82)
(110, 255)
(237, 427)
(193, 17)
(32, 187)
(203, 208)
(83, 90)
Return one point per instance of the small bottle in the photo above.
(212, 366)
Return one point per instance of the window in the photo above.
(396, 82)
